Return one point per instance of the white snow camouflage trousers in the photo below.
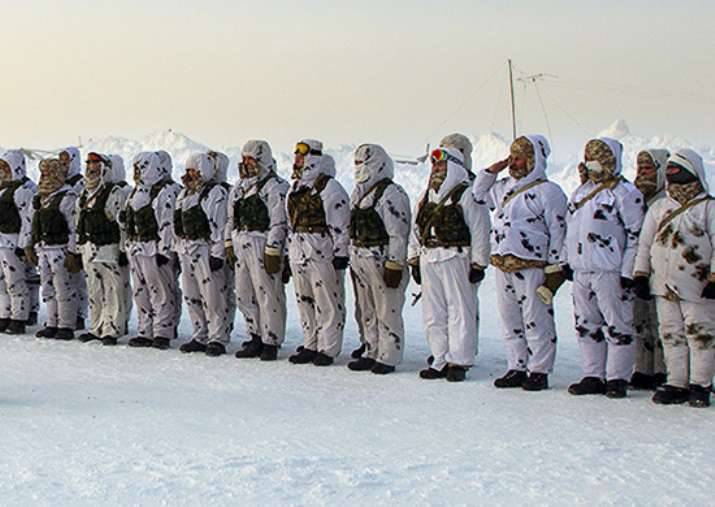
(449, 310)
(32, 279)
(688, 333)
(260, 297)
(14, 301)
(527, 323)
(107, 304)
(604, 323)
(155, 296)
(206, 303)
(320, 294)
(59, 289)
(649, 349)
(379, 310)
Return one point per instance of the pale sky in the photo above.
(400, 73)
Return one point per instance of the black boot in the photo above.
(643, 381)
(192, 346)
(659, 379)
(4, 323)
(46, 332)
(617, 388)
(699, 396)
(252, 349)
(109, 341)
(140, 341)
(456, 373)
(269, 352)
(16, 327)
(536, 382)
(87, 337)
(321, 359)
(588, 385)
(362, 364)
(215, 349)
(358, 352)
(161, 343)
(382, 369)
(671, 395)
(64, 333)
(431, 373)
(304, 356)
(80, 324)
(512, 378)
(32, 319)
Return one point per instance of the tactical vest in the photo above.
(193, 224)
(93, 224)
(10, 221)
(305, 208)
(442, 224)
(141, 224)
(367, 228)
(48, 223)
(251, 213)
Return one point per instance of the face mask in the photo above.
(362, 173)
(594, 166)
(681, 177)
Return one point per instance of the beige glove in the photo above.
(272, 260)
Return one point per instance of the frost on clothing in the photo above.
(449, 300)
(318, 210)
(603, 222)
(16, 210)
(380, 206)
(528, 224)
(257, 226)
(676, 253)
(149, 220)
(197, 243)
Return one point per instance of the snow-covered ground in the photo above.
(89, 425)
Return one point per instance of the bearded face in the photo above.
(192, 179)
(521, 160)
(438, 174)
(248, 168)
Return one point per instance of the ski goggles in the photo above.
(305, 149)
(440, 155)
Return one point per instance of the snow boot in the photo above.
(304, 356)
(536, 382)
(456, 373)
(16, 327)
(192, 346)
(321, 359)
(382, 369)
(64, 333)
(140, 341)
(215, 349)
(87, 337)
(358, 352)
(161, 343)
(617, 388)
(512, 378)
(659, 379)
(46, 332)
(671, 395)
(32, 319)
(4, 323)
(699, 396)
(80, 324)
(362, 364)
(588, 385)
(431, 373)
(252, 349)
(643, 381)
(269, 352)
(109, 341)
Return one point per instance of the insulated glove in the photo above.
(73, 262)
(215, 263)
(230, 255)
(161, 260)
(416, 273)
(272, 260)
(340, 263)
(392, 275)
(641, 287)
(568, 272)
(476, 274)
(626, 283)
(123, 261)
(709, 291)
(30, 256)
(20, 254)
(287, 273)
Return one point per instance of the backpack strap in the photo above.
(513, 195)
(669, 218)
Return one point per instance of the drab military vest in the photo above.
(193, 224)
(93, 224)
(251, 213)
(442, 224)
(48, 223)
(367, 228)
(305, 207)
(141, 224)
(10, 221)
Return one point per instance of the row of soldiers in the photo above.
(237, 246)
